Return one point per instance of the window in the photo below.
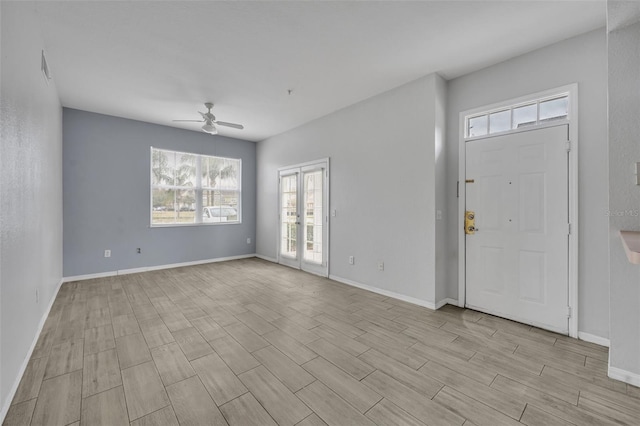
(507, 118)
(191, 189)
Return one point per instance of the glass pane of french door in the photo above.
(313, 193)
(289, 215)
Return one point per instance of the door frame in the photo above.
(572, 121)
(325, 164)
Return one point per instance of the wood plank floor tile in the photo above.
(246, 411)
(193, 405)
(105, 408)
(288, 372)
(65, 358)
(255, 322)
(312, 420)
(162, 417)
(31, 380)
(175, 321)
(503, 402)
(387, 413)
(101, 372)
(155, 332)
(132, 350)
(350, 389)
(341, 326)
(20, 414)
(290, 346)
(526, 364)
(208, 328)
(347, 362)
(124, 325)
(280, 402)
(250, 340)
(534, 416)
(143, 390)
(263, 311)
(330, 407)
(340, 340)
(439, 358)
(59, 400)
(618, 397)
(301, 334)
(606, 407)
(358, 347)
(234, 355)
(98, 339)
(411, 401)
(221, 383)
(97, 317)
(171, 363)
(557, 407)
(192, 343)
(416, 380)
(407, 356)
(44, 343)
(471, 409)
(545, 384)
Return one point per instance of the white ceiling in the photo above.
(158, 61)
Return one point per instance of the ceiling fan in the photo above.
(210, 121)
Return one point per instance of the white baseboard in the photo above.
(446, 301)
(12, 392)
(592, 338)
(624, 376)
(267, 258)
(409, 299)
(154, 268)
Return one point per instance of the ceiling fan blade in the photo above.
(191, 121)
(235, 126)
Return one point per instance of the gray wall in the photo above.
(382, 186)
(579, 60)
(106, 196)
(30, 191)
(624, 195)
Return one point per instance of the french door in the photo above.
(517, 227)
(303, 217)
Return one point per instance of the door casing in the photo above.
(324, 162)
(572, 89)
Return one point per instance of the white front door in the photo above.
(517, 260)
(303, 218)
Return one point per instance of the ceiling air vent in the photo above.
(44, 67)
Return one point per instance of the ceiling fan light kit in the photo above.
(210, 119)
(210, 128)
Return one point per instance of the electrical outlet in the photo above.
(334, 213)
(107, 253)
(138, 250)
(248, 240)
(438, 214)
(352, 260)
(380, 266)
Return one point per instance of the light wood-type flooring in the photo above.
(248, 342)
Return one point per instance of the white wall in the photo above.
(30, 192)
(382, 186)
(624, 195)
(579, 60)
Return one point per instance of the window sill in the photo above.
(181, 225)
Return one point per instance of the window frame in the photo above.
(511, 107)
(197, 188)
